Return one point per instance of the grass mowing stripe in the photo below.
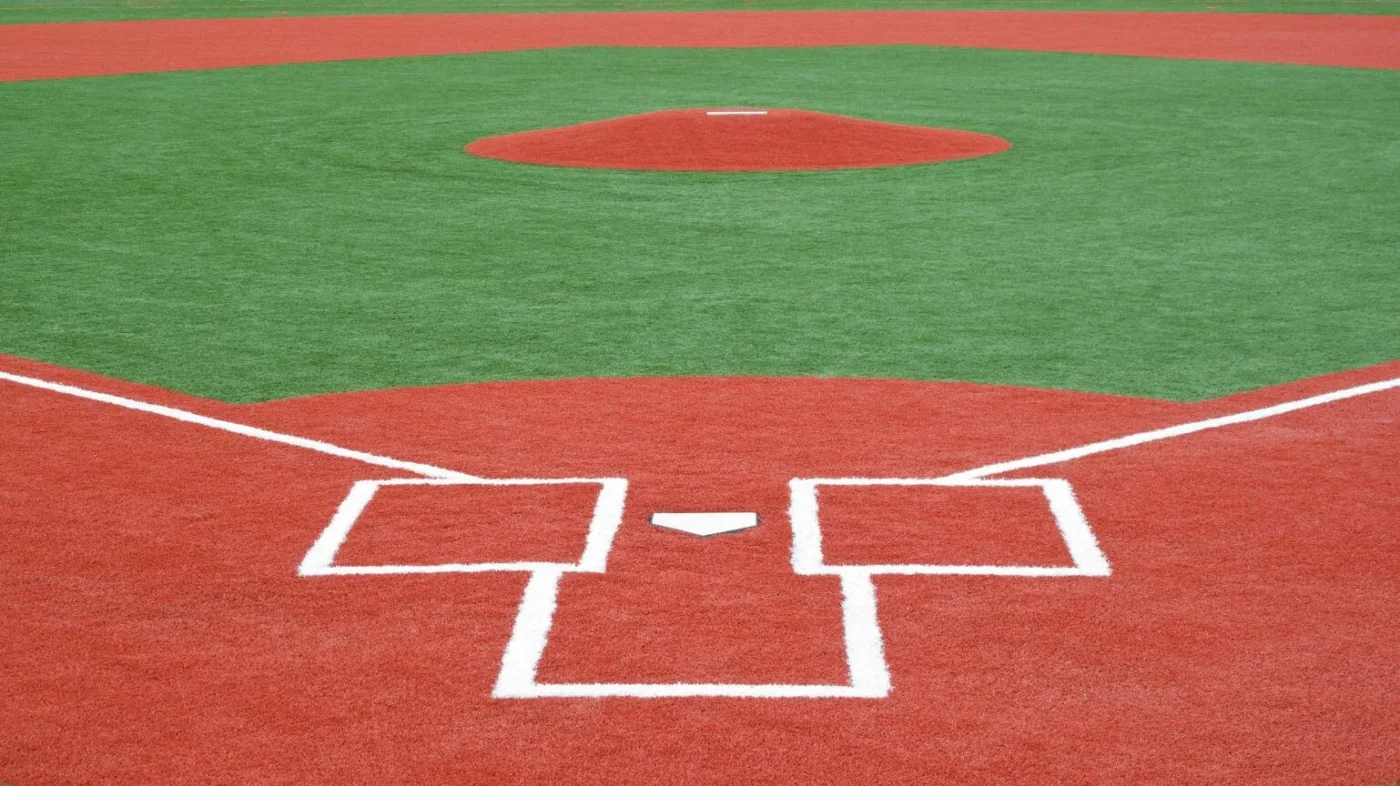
(1163, 228)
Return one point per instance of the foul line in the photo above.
(1132, 440)
(239, 428)
(428, 470)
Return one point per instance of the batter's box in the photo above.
(470, 525)
(1021, 527)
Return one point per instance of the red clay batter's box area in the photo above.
(875, 526)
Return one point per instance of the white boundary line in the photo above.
(1070, 454)
(1083, 548)
(237, 428)
(602, 528)
(870, 677)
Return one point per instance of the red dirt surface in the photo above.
(156, 630)
(418, 525)
(870, 526)
(692, 140)
(53, 51)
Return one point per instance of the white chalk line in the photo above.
(533, 618)
(602, 528)
(1157, 435)
(253, 432)
(1083, 548)
(518, 678)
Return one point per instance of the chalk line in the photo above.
(428, 470)
(241, 429)
(602, 528)
(517, 679)
(1157, 435)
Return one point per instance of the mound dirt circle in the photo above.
(736, 140)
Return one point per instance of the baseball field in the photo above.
(801, 392)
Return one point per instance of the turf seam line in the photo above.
(239, 428)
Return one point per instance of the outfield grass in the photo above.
(1165, 228)
(15, 11)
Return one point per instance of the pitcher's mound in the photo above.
(736, 140)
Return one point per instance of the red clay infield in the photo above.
(736, 140)
(52, 51)
(157, 631)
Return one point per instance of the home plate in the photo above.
(705, 524)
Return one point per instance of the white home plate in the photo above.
(705, 523)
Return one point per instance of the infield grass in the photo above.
(1164, 228)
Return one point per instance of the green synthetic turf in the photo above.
(16, 11)
(1165, 228)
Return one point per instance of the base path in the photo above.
(185, 592)
(53, 51)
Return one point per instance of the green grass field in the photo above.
(1163, 228)
(15, 11)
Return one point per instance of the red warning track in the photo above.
(156, 626)
(53, 51)
(719, 140)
